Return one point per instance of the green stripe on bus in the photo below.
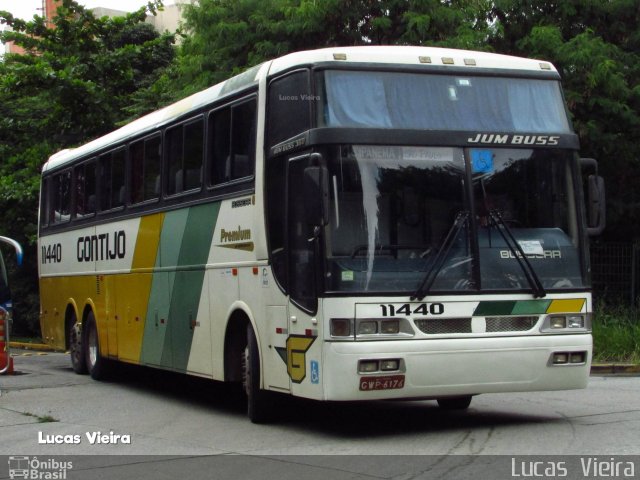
(494, 308)
(187, 288)
(155, 333)
(531, 307)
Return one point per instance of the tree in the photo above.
(227, 36)
(596, 47)
(71, 86)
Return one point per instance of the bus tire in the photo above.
(258, 402)
(96, 365)
(78, 355)
(455, 403)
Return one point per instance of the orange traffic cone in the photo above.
(6, 362)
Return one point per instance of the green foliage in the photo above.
(595, 46)
(227, 36)
(616, 334)
(71, 86)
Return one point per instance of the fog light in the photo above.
(560, 358)
(340, 327)
(367, 327)
(558, 322)
(390, 326)
(575, 321)
(368, 366)
(389, 365)
(577, 357)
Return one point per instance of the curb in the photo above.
(614, 368)
(41, 347)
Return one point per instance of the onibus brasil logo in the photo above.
(33, 468)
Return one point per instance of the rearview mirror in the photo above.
(596, 199)
(316, 187)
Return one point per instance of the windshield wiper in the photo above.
(528, 270)
(427, 282)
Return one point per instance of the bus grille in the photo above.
(510, 324)
(438, 326)
(441, 326)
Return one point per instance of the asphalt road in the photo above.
(156, 424)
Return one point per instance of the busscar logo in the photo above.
(34, 468)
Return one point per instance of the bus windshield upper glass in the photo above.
(441, 102)
(396, 210)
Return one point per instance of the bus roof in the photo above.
(392, 55)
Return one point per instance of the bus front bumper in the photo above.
(450, 367)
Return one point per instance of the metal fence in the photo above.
(614, 271)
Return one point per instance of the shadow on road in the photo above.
(343, 419)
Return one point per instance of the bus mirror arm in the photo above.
(16, 246)
(596, 198)
(316, 188)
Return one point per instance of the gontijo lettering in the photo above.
(105, 246)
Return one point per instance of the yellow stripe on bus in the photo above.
(131, 291)
(147, 242)
(569, 305)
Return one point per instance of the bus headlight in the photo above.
(390, 327)
(575, 321)
(568, 323)
(367, 327)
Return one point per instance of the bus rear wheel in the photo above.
(96, 365)
(455, 403)
(258, 401)
(78, 356)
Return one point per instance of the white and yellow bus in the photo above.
(341, 224)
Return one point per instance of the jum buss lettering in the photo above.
(105, 246)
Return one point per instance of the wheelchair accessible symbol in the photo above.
(315, 372)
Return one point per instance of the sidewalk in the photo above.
(40, 347)
(615, 369)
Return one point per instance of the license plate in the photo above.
(382, 383)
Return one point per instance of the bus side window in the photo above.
(185, 150)
(61, 198)
(243, 131)
(289, 109)
(220, 141)
(232, 136)
(44, 202)
(85, 189)
(152, 160)
(136, 172)
(144, 164)
(112, 167)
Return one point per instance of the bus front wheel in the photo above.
(96, 365)
(258, 404)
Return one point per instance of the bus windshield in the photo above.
(442, 102)
(394, 209)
